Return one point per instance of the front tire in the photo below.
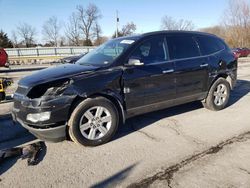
(93, 122)
(218, 95)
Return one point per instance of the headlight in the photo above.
(49, 89)
(38, 117)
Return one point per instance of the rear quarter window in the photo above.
(209, 45)
(182, 47)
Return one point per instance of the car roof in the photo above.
(138, 36)
(177, 32)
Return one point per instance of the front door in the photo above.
(153, 82)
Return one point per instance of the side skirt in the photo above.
(164, 104)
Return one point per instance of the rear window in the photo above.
(182, 47)
(209, 45)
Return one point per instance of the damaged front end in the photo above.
(44, 108)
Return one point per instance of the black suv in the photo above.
(122, 78)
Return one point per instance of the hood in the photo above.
(55, 73)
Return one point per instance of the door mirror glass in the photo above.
(135, 62)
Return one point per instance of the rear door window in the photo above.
(182, 47)
(209, 45)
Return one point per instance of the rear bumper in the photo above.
(232, 78)
(54, 134)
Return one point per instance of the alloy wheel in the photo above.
(95, 123)
(220, 95)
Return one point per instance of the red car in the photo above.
(241, 52)
(3, 58)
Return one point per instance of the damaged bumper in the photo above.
(50, 129)
(54, 134)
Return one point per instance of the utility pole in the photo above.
(117, 22)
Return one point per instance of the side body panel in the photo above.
(191, 76)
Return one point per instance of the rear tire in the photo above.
(93, 122)
(218, 95)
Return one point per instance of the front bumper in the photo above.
(54, 129)
(54, 134)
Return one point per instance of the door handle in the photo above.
(204, 65)
(168, 71)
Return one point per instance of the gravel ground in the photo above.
(184, 146)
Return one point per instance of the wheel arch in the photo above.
(222, 75)
(116, 101)
(111, 97)
(225, 76)
(208, 102)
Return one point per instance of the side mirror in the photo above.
(135, 62)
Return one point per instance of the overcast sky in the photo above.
(146, 14)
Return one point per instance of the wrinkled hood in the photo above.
(55, 73)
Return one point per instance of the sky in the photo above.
(146, 14)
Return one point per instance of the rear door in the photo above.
(191, 69)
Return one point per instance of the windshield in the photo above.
(106, 53)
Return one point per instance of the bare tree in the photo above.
(27, 34)
(97, 33)
(237, 13)
(126, 30)
(14, 39)
(169, 23)
(102, 39)
(216, 30)
(72, 31)
(236, 20)
(62, 41)
(51, 31)
(87, 17)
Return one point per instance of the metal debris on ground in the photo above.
(30, 152)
